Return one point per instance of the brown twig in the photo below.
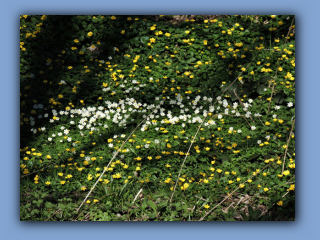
(53, 214)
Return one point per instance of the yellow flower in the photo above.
(123, 32)
(292, 187)
(287, 172)
(241, 185)
(266, 189)
(280, 203)
(89, 34)
(185, 186)
(206, 206)
(48, 183)
(113, 18)
(62, 182)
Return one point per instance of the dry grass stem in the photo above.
(135, 198)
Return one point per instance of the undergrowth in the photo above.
(157, 118)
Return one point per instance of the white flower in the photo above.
(277, 107)
(110, 145)
(146, 146)
(46, 115)
(110, 57)
(156, 141)
(50, 139)
(290, 104)
(69, 139)
(239, 131)
(259, 141)
(219, 116)
(253, 128)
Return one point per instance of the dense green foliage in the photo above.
(216, 95)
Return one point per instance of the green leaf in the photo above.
(278, 99)
(152, 205)
(260, 89)
(256, 214)
(144, 39)
(250, 209)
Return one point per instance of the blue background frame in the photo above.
(307, 120)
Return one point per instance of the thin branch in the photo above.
(53, 214)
